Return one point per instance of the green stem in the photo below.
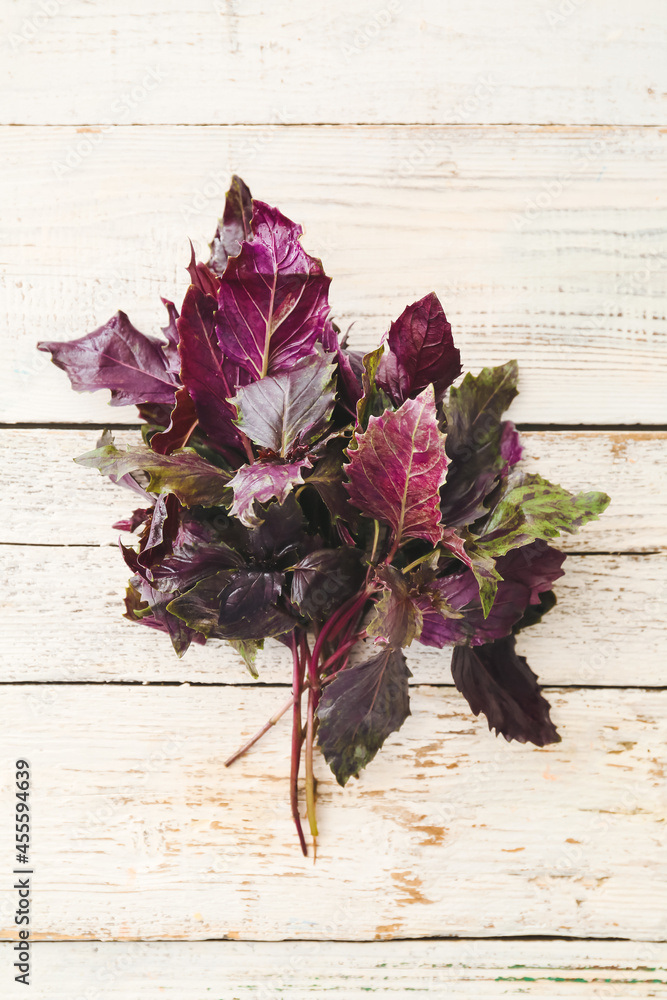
(375, 540)
(310, 777)
(421, 559)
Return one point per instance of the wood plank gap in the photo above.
(65, 545)
(62, 426)
(612, 552)
(650, 428)
(281, 126)
(528, 428)
(507, 938)
(279, 686)
(112, 545)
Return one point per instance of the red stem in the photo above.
(265, 728)
(311, 725)
(338, 621)
(297, 739)
(245, 440)
(339, 652)
(393, 550)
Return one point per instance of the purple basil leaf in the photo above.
(192, 479)
(117, 356)
(156, 416)
(482, 564)
(479, 444)
(184, 568)
(527, 573)
(170, 332)
(132, 523)
(149, 607)
(182, 424)
(537, 566)
(397, 618)
(508, 608)
(234, 226)
(349, 378)
(437, 629)
(350, 367)
(278, 542)
(325, 579)
(248, 606)
(511, 448)
(273, 298)
(397, 469)
(201, 277)
(421, 352)
(262, 482)
(373, 401)
(131, 559)
(196, 553)
(468, 484)
(281, 535)
(162, 529)
(234, 604)
(199, 606)
(293, 407)
(534, 613)
(329, 338)
(452, 610)
(496, 681)
(359, 709)
(328, 478)
(137, 481)
(210, 379)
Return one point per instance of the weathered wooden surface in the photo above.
(607, 628)
(389, 61)
(296, 970)
(514, 162)
(140, 832)
(48, 499)
(545, 244)
(62, 563)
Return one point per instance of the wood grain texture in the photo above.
(386, 61)
(62, 565)
(545, 244)
(607, 628)
(49, 500)
(546, 240)
(297, 970)
(140, 832)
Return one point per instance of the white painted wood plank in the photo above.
(607, 628)
(385, 61)
(348, 970)
(545, 244)
(140, 832)
(47, 499)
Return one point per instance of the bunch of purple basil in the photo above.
(292, 488)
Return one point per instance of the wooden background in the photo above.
(511, 157)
